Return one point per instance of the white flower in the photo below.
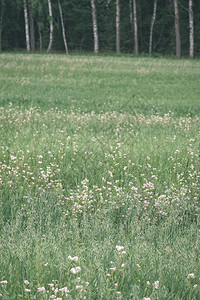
(148, 282)
(1, 295)
(195, 285)
(108, 275)
(75, 270)
(119, 248)
(3, 282)
(41, 289)
(145, 298)
(122, 266)
(118, 293)
(156, 284)
(26, 282)
(190, 276)
(64, 290)
(75, 258)
(27, 290)
(79, 287)
(113, 269)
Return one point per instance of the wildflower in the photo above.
(108, 275)
(79, 287)
(122, 265)
(46, 264)
(1, 295)
(195, 285)
(41, 289)
(190, 276)
(26, 282)
(138, 266)
(75, 258)
(118, 293)
(3, 282)
(148, 282)
(27, 290)
(75, 270)
(64, 290)
(119, 248)
(145, 298)
(156, 284)
(113, 269)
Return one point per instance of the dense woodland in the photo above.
(169, 27)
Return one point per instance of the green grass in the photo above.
(98, 152)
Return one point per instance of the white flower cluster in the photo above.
(75, 270)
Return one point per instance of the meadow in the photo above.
(99, 177)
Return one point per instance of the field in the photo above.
(99, 177)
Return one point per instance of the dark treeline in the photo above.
(140, 26)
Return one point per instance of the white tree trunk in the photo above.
(152, 25)
(26, 26)
(191, 26)
(177, 29)
(95, 28)
(131, 14)
(135, 27)
(63, 27)
(51, 26)
(118, 26)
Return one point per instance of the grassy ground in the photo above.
(99, 177)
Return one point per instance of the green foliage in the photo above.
(99, 177)
(78, 25)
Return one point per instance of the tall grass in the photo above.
(99, 177)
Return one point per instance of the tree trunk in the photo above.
(26, 26)
(131, 14)
(63, 27)
(191, 26)
(152, 25)
(135, 28)
(51, 26)
(95, 28)
(40, 37)
(118, 26)
(32, 29)
(177, 29)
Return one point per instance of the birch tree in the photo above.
(118, 26)
(32, 29)
(63, 27)
(177, 29)
(191, 27)
(26, 26)
(51, 26)
(152, 25)
(95, 28)
(131, 14)
(135, 27)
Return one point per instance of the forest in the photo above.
(167, 27)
